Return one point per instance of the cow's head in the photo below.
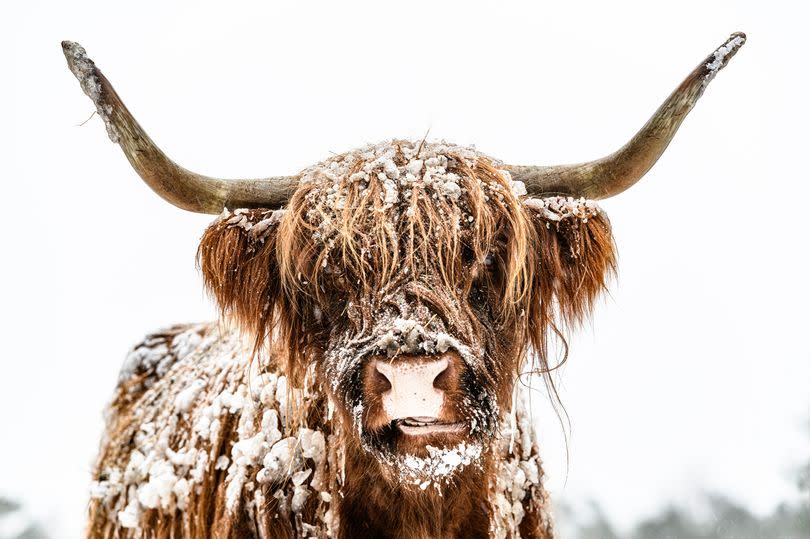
(411, 278)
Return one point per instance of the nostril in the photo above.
(443, 379)
(381, 381)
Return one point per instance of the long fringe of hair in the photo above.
(549, 272)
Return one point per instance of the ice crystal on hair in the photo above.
(400, 166)
(405, 336)
(558, 208)
(439, 466)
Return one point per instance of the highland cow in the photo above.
(376, 312)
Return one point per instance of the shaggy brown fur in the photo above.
(147, 399)
(330, 271)
(547, 273)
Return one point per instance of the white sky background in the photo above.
(694, 375)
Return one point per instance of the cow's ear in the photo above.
(575, 258)
(239, 267)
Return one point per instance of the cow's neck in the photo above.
(371, 506)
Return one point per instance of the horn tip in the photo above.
(67, 44)
(735, 41)
(91, 81)
(738, 34)
(74, 54)
(721, 57)
(83, 69)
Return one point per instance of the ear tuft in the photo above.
(577, 256)
(239, 267)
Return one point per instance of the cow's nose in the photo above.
(414, 386)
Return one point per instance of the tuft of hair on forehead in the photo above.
(370, 219)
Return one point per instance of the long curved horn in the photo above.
(613, 174)
(181, 187)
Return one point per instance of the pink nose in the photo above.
(413, 392)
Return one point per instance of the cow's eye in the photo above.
(478, 295)
(483, 279)
(467, 256)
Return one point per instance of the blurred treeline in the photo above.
(726, 520)
(15, 523)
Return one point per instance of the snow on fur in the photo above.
(178, 432)
(178, 443)
(426, 167)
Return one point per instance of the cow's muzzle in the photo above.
(415, 394)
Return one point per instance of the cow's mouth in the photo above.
(420, 426)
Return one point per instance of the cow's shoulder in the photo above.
(163, 374)
(155, 354)
(199, 426)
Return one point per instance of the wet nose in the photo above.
(413, 391)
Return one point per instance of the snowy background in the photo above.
(694, 375)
